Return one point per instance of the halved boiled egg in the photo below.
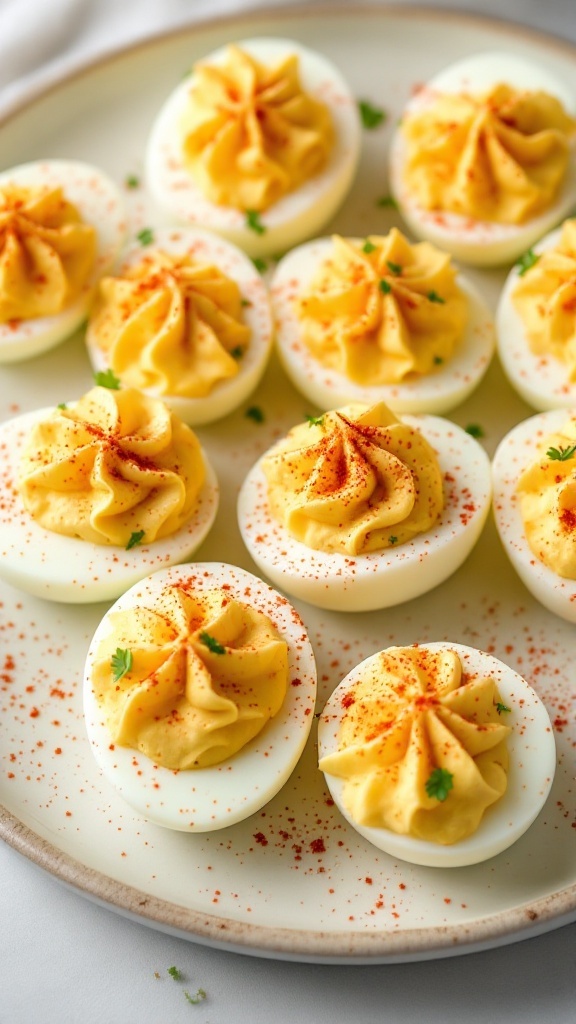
(62, 224)
(538, 373)
(214, 685)
(58, 567)
(187, 319)
(545, 447)
(449, 383)
(255, 127)
(531, 756)
(399, 571)
(486, 147)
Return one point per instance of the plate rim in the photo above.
(534, 917)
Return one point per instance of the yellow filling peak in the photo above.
(356, 480)
(547, 493)
(410, 715)
(170, 323)
(114, 464)
(251, 134)
(382, 310)
(497, 157)
(206, 674)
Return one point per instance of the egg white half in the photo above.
(482, 243)
(327, 388)
(205, 799)
(532, 753)
(514, 453)
(69, 569)
(541, 380)
(296, 216)
(208, 247)
(386, 578)
(99, 203)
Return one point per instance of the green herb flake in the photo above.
(135, 539)
(175, 973)
(439, 783)
(475, 430)
(526, 261)
(237, 352)
(369, 247)
(387, 202)
(315, 421)
(254, 223)
(561, 454)
(146, 236)
(394, 268)
(437, 360)
(107, 379)
(245, 303)
(260, 264)
(120, 663)
(392, 539)
(371, 116)
(211, 643)
(500, 707)
(61, 405)
(132, 181)
(384, 286)
(254, 412)
(434, 297)
(198, 996)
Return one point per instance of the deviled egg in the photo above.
(62, 224)
(483, 162)
(199, 695)
(446, 764)
(536, 322)
(186, 319)
(356, 510)
(380, 320)
(534, 480)
(98, 494)
(260, 144)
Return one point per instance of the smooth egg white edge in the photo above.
(382, 579)
(515, 452)
(541, 380)
(327, 388)
(299, 214)
(227, 394)
(68, 569)
(206, 799)
(532, 751)
(482, 243)
(99, 203)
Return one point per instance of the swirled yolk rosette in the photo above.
(114, 464)
(501, 156)
(383, 310)
(547, 495)
(170, 323)
(47, 253)
(411, 714)
(355, 480)
(545, 299)
(251, 134)
(206, 673)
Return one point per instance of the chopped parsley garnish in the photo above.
(439, 783)
(132, 181)
(212, 643)
(260, 264)
(392, 539)
(197, 997)
(254, 223)
(254, 412)
(120, 663)
(526, 261)
(434, 297)
(237, 352)
(387, 201)
(384, 287)
(562, 454)
(175, 973)
(394, 268)
(371, 116)
(107, 379)
(315, 421)
(135, 539)
(500, 707)
(245, 302)
(474, 429)
(61, 405)
(369, 246)
(437, 360)
(146, 236)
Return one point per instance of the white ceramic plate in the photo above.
(294, 881)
